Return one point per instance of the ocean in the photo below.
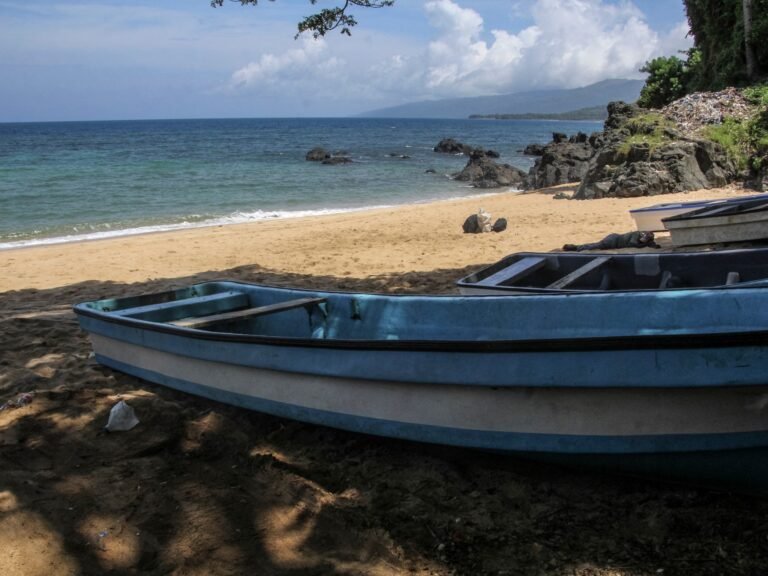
(69, 181)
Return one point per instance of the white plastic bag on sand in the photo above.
(121, 418)
(484, 220)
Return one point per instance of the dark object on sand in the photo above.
(471, 225)
(500, 225)
(481, 222)
(635, 239)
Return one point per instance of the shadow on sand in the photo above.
(204, 488)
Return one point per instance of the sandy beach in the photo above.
(203, 488)
(360, 245)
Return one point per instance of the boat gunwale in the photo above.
(725, 339)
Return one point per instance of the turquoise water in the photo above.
(68, 181)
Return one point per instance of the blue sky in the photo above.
(132, 59)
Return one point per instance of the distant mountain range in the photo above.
(539, 102)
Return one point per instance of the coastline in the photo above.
(359, 244)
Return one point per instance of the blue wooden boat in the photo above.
(580, 272)
(673, 384)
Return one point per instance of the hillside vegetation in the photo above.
(729, 51)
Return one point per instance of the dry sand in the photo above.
(202, 488)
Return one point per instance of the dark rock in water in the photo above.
(534, 150)
(401, 156)
(500, 225)
(451, 146)
(472, 225)
(430, 171)
(483, 172)
(317, 155)
(492, 154)
(333, 160)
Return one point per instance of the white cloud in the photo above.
(569, 43)
(309, 62)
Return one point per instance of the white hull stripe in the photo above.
(607, 412)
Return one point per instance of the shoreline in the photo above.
(359, 244)
(231, 220)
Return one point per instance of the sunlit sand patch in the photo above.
(43, 360)
(266, 451)
(288, 529)
(30, 547)
(8, 501)
(69, 423)
(115, 543)
(43, 366)
(290, 534)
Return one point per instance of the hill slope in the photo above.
(535, 102)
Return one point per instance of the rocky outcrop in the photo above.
(562, 161)
(626, 166)
(534, 150)
(482, 172)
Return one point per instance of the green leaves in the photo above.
(328, 19)
(667, 79)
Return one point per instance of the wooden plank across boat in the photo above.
(669, 382)
(579, 272)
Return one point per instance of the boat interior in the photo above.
(559, 272)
